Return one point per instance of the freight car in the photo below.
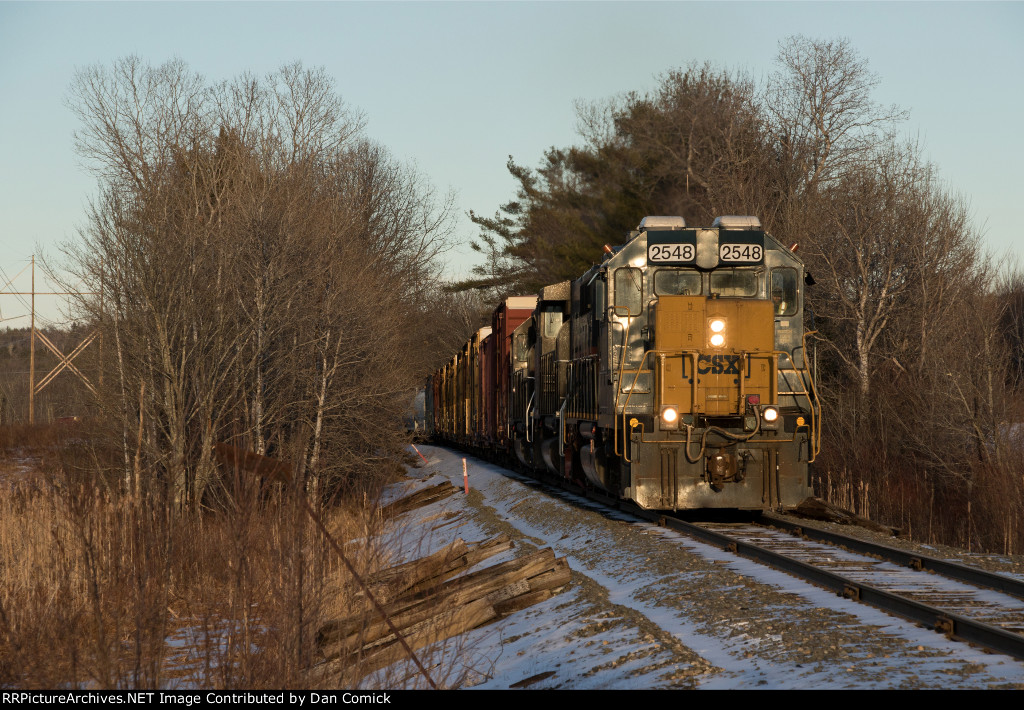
(674, 374)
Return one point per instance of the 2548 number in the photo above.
(670, 252)
(740, 252)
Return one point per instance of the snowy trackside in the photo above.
(648, 608)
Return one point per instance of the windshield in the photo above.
(676, 282)
(734, 282)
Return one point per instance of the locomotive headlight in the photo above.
(717, 328)
(669, 418)
(770, 415)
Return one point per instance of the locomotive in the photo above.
(674, 374)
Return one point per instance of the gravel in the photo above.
(1003, 564)
(649, 605)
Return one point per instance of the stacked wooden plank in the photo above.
(425, 600)
(433, 598)
(424, 496)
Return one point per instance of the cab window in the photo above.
(675, 282)
(520, 347)
(734, 283)
(551, 321)
(784, 291)
(628, 291)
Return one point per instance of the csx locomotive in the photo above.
(673, 374)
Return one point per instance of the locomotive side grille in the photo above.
(583, 388)
(549, 395)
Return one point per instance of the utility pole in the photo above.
(64, 361)
(32, 352)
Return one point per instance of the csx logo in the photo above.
(718, 364)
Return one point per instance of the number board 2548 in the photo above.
(678, 247)
(741, 247)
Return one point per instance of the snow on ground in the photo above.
(650, 608)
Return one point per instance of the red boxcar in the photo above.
(507, 317)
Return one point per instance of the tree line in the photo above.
(918, 329)
(270, 276)
(264, 274)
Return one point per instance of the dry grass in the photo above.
(979, 511)
(100, 590)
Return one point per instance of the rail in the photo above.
(953, 570)
(951, 624)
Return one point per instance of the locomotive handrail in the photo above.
(618, 383)
(813, 428)
(625, 339)
(811, 393)
(815, 406)
(529, 426)
(561, 429)
(625, 405)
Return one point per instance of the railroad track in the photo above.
(962, 602)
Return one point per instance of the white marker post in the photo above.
(465, 477)
(421, 455)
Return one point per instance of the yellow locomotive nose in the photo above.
(712, 354)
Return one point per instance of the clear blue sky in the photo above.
(458, 87)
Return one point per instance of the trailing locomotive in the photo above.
(673, 374)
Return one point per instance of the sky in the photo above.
(455, 88)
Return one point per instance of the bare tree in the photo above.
(260, 263)
(822, 113)
(135, 116)
(702, 133)
(868, 241)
